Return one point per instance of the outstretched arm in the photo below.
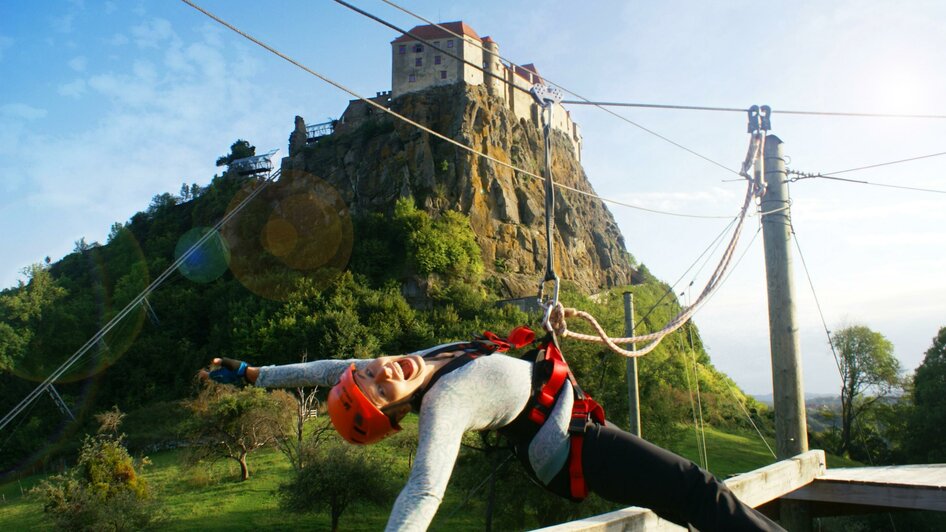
(316, 373)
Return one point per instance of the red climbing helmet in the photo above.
(355, 417)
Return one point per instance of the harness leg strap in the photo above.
(579, 490)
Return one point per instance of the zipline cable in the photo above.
(907, 160)
(100, 335)
(742, 110)
(558, 315)
(811, 284)
(421, 126)
(749, 417)
(832, 175)
(671, 288)
(696, 379)
(801, 176)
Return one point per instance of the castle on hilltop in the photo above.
(416, 66)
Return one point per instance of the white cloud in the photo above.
(63, 24)
(78, 63)
(125, 90)
(168, 121)
(144, 70)
(712, 201)
(73, 89)
(117, 40)
(154, 33)
(22, 111)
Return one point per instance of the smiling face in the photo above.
(389, 380)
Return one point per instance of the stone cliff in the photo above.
(373, 163)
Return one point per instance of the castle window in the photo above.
(419, 61)
(449, 43)
(443, 74)
(402, 49)
(436, 59)
(411, 78)
(418, 48)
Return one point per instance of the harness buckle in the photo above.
(581, 415)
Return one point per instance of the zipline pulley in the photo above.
(760, 122)
(546, 97)
(760, 118)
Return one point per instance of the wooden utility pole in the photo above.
(791, 432)
(790, 421)
(633, 395)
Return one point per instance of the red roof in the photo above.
(488, 39)
(429, 31)
(525, 70)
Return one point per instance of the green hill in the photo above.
(212, 498)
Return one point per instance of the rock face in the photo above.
(385, 159)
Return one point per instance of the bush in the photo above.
(335, 476)
(104, 491)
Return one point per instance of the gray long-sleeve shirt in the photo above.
(486, 394)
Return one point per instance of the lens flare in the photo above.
(299, 227)
(110, 277)
(206, 263)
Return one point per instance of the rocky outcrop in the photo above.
(384, 159)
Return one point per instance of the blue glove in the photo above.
(230, 372)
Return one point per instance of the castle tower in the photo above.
(416, 66)
(495, 75)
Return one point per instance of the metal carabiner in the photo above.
(549, 304)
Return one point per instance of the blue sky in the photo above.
(105, 104)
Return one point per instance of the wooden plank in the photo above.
(631, 519)
(760, 486)
(916, 487)
(754, 488)
(912, 498)
(925, 475)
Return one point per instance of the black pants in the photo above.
(625, 469)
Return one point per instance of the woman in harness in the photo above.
(454, 388)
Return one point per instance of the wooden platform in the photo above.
(911, 487)
(805, 478)
(754, 488)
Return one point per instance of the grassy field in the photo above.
(212, 498)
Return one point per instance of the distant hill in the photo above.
(812, 400)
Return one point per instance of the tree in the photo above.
(105, 489)
(928, 422)
(231, 422)
(869, 373)
(238, 150)
(335, 476)
(307, 403)
(21, 309)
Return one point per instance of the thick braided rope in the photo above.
(559, 313)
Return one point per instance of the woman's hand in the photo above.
(230, 371)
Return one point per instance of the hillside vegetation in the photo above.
(295, 275)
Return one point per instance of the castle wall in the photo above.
(413, 70)
(416, 66)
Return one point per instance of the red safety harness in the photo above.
(549, 375)
(585, 410)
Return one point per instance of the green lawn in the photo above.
(212, 498)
